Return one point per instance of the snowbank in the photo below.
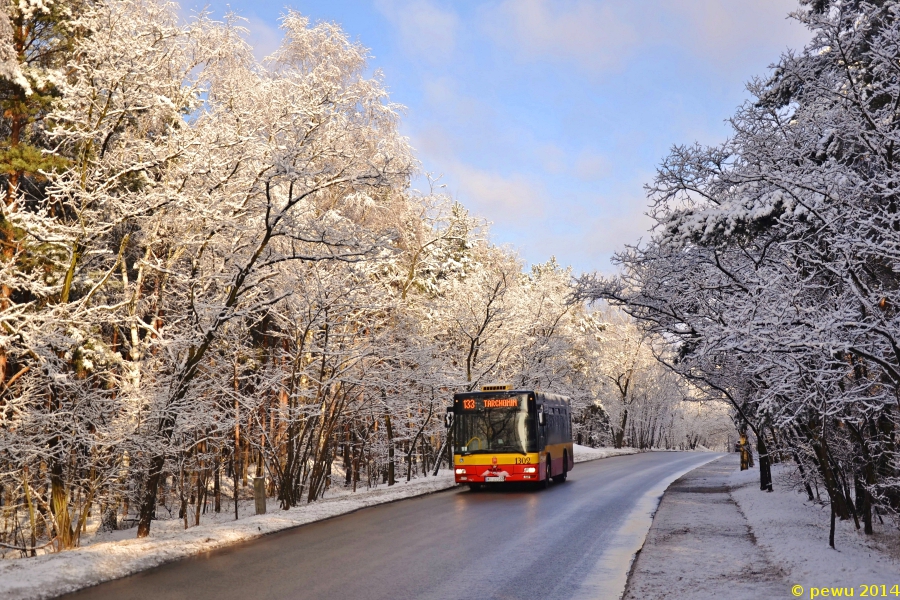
(55, 574)
(584, 453)
(794, 532)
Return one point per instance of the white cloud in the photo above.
(565, 193)
(513, 200)
(596, 35)
(590, 166)
(425, 29)
(263, 38)
(603, 35)
(553, 158)
(443, 94)
(726, 32)
(586, 246)
(585, 165)
(591, 235)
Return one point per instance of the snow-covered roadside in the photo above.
(585, 453)
(699, 545)
(55, 574)
(794, 532)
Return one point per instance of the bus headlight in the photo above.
(525, 470)
(460, 471)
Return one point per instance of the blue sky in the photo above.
(547, 117)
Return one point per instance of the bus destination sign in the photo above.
(475, 404)
(501, 403)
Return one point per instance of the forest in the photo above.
(216, 268)
(771, 279)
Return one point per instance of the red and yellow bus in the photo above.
(503, 435)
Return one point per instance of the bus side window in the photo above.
(550, 435)
(555, 426)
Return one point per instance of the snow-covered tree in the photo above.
(771, 269)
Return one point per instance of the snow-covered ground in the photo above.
(107, 556)
(716, 533)
(794, 532)
(583, 453)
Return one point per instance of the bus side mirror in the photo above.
(448, 418)
(542, 420)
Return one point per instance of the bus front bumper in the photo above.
(497, 473)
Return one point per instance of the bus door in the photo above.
(541, 429)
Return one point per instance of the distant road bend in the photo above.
(455, 544)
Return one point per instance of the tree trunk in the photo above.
(59, 504)
(619, 439)
(390, 439)
(828, 477)
(809, 492)
(862, 485)
(148, 503)
(355, 461)
(217, 490)
(765, 470)
(440, 453)
(412, 446)
(235, 468)
(236, 452)
(30, 507)
(201, 494)
(863, 504)
(831, 530)
(346, 455)
(245, 462)
(745, 451)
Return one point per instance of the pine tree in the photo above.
(38, 44)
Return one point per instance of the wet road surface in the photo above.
(500, 544)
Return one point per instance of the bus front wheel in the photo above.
(546, 481)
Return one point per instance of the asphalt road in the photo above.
(454, 544)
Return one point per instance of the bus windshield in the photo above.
(494, 430)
